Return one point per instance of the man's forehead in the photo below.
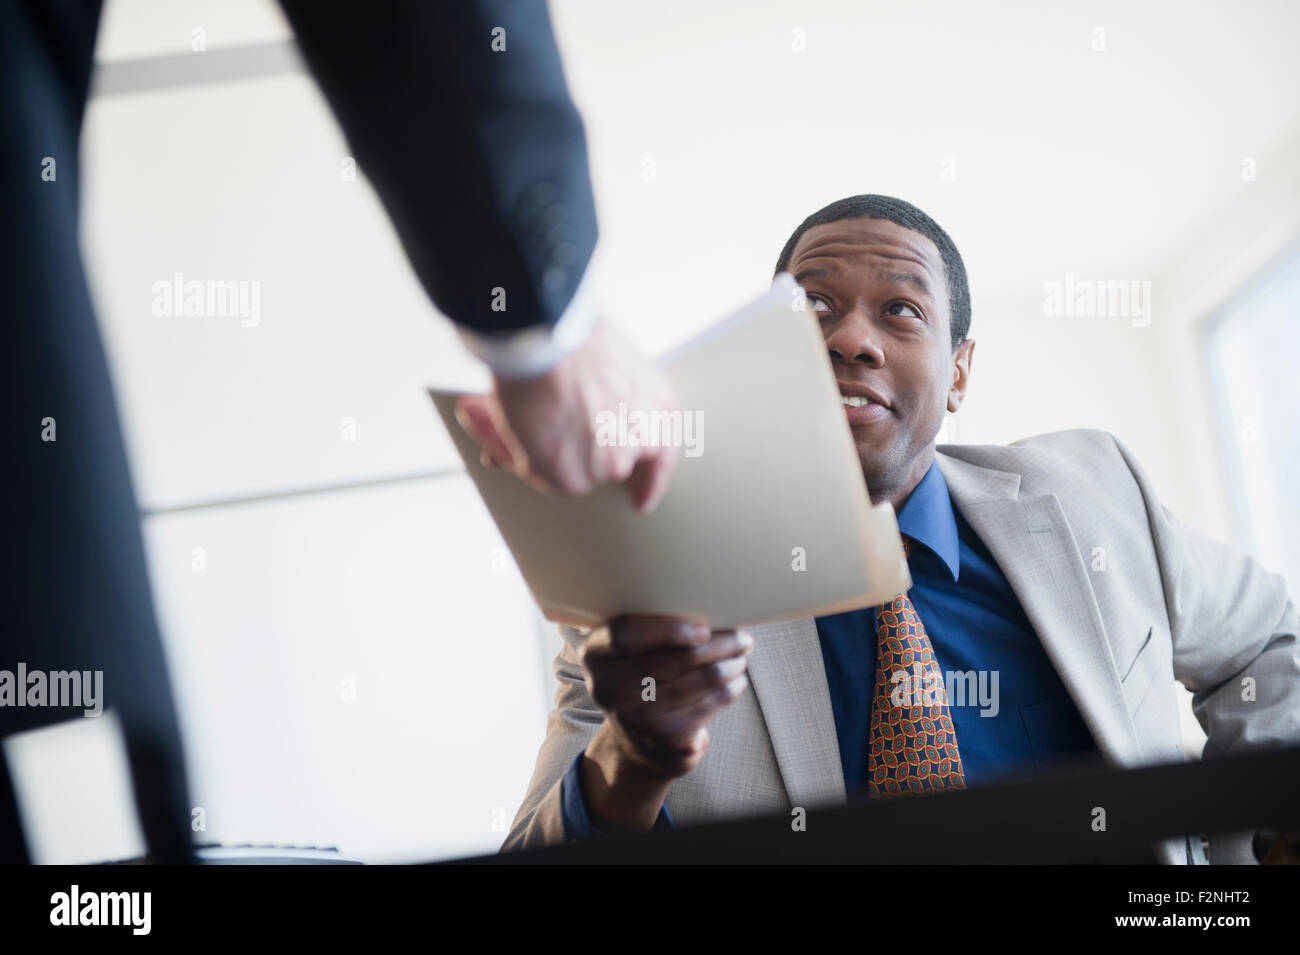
(856, 239)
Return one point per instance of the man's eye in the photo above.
(902, 308)
(818, 304)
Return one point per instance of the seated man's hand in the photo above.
(659, 681)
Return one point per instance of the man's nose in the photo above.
(854, 337)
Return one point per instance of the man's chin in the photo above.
(872, 445)
(873, 471)
(878, 455)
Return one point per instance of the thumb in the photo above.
(476, 415)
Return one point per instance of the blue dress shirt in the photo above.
(975, 623)
(1020, 715)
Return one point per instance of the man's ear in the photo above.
(961, 360)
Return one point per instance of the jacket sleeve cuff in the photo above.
(533, 351)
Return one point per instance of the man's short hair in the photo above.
(908, 216)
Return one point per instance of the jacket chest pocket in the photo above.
(1136, 680)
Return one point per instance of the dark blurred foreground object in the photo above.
(1043, 820)
(1277, 848)
(480, 159)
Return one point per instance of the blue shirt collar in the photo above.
(927, 517)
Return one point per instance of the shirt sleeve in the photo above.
(577, 822)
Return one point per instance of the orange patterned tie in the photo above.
(913, 745)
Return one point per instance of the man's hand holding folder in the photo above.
(659, 681)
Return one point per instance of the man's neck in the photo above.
(898, 494)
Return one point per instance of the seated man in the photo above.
(1039, 651)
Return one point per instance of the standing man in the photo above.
(460, 115)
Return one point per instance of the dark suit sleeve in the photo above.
(478, 154)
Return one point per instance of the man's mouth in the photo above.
(861, 404)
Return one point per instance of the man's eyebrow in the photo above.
(813, 274)
(910, 277)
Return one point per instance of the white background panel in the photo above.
(241, 181)
(73, 786)
(395, 588)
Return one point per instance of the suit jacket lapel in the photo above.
(788, 678)
(1031, 540)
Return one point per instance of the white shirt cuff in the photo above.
(534, 351)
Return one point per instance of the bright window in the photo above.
(1253, 346)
